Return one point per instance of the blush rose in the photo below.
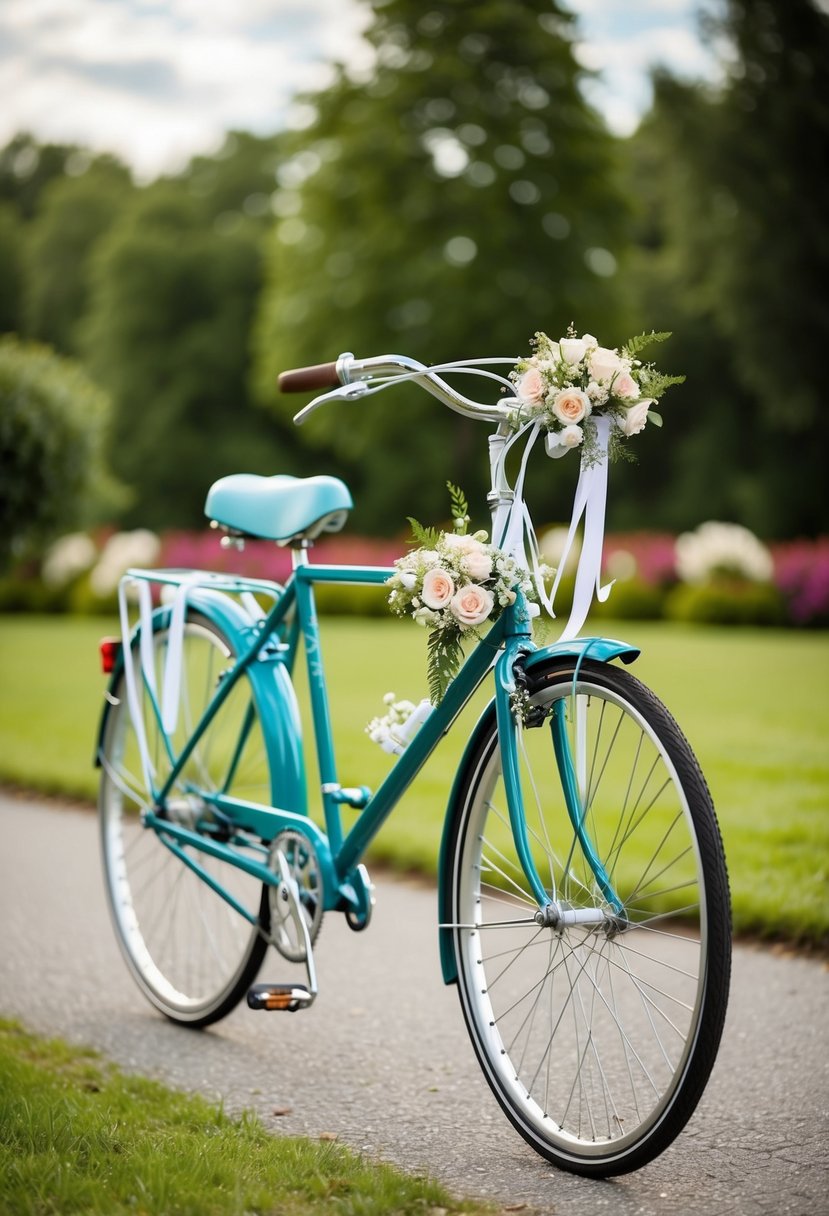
(531, 388)
(471, 605)
(571, 405)
(438, 588)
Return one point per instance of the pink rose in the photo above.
(604, 364)
(471, 605)
(635, 418)
(625, 386)
(571, 405)
(438, 588)
(531, 388)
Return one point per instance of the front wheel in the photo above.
(598, 1029)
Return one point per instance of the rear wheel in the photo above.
(597, 1031)
(190, 952)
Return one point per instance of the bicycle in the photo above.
(582, 890)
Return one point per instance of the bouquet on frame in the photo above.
(567, 385)
(452, 585)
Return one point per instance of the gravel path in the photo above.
(382, 1058)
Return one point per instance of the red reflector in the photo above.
(110, 650)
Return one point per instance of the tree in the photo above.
(74, 213)
(167, 336)
(11, 280)
(734, 246)
(450, 205)
(53, 424)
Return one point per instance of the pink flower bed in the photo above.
(653, 553)
(801, 571)
(801, 568)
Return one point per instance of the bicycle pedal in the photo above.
(286, 997)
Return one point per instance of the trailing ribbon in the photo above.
(590, 501)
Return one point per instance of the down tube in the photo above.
(418, 751)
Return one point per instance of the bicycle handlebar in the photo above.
(350, 377)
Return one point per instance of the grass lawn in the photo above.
(753, 703)
(76, 1135)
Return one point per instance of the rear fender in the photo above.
(273, 694)
(600, 650)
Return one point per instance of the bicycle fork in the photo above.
(553, 912)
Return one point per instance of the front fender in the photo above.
(601, 650)
(273, 694)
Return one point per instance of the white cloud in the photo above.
(159, 80)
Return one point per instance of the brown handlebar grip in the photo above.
(304, 379)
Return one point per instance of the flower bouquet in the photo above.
(567, 385)
(453, 584)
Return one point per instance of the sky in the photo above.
(157, 81)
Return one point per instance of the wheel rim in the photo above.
(584, 1032)
(187, 947)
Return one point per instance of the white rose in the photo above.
(425, 616)
(570, 436)
(572, 349)
(408, 580)
(477, 565)
(471, 605)
(461, 546)
(635, 418)
(589, 341)
(604, 364)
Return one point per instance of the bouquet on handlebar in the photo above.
(580, 396)
(566, 386)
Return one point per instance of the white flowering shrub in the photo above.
(124, 549)
(68, 558)
(722, 549)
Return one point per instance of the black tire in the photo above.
(190, 953)
(596, 1038)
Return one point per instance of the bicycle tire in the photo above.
(596, 1039)
(192, 955)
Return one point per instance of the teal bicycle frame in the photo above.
(345, 882)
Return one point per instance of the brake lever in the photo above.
(346, 392)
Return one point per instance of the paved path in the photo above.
(382, 1057)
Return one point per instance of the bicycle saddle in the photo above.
(280, 508)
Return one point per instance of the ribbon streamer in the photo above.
(590, 501)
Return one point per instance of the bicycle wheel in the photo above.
(190, 952)
(597, 1034)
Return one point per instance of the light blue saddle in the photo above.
(279, 508)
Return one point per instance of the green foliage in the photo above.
(460, 507)
(444, 657)
(428, 537)
(172, 302)
(11, 279)
(732, 255)
(726, 602)
(53, 428)
(74, 213)
(447, 206)
(76, 1135)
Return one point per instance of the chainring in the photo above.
(304, 868)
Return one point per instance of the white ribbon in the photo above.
(145, 647)
(590, 501)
